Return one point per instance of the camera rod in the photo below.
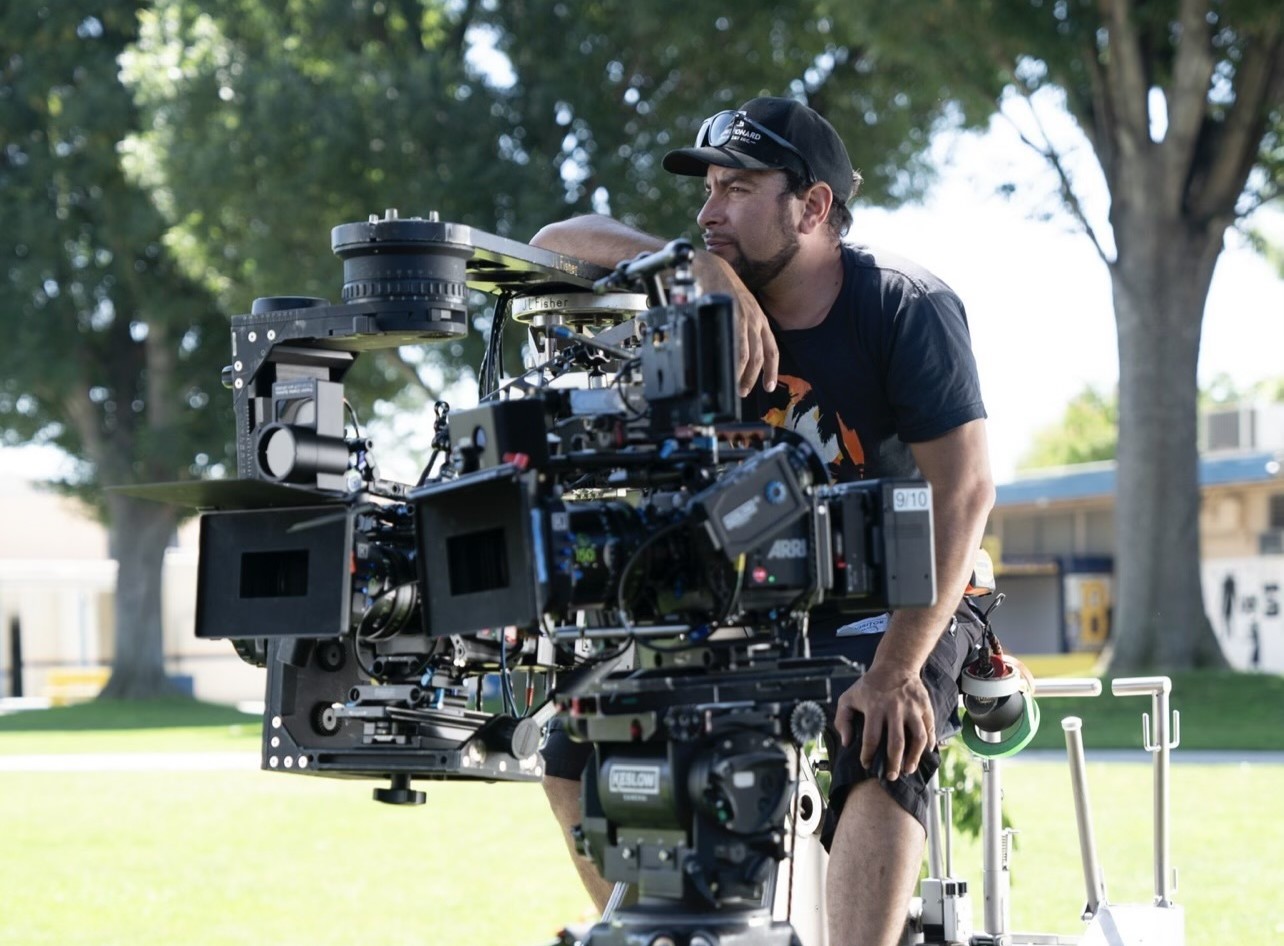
(676, 253)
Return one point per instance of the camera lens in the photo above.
(296, 455)
(410, 260)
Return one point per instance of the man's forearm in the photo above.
(605, 241)
(961, 502)
(596, 239)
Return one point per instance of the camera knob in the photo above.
(399, 793)
(806, 722)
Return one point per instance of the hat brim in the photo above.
(694, 162)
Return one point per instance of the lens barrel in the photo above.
(411, 260)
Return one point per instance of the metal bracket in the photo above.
(1149, 744)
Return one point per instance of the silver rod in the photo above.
(1159, 742)
(1067, 686)
(616, 898)
(995, 880)
(1140, 686)
(573, 632)
(1162, 744)
(1092, 879)
(935, 864)
(947, 816)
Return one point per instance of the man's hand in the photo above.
(897, 712)
(758, 352)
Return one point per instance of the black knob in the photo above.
(399, 793)
(806, 722)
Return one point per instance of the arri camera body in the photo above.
(604, 521)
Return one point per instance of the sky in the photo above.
(1036, 293)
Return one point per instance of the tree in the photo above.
(1089, 429)
(1087, 432)
(1183, 106)
(1180, 101)
(112, 354)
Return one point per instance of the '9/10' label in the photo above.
(911, 499)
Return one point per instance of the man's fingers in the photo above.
(915, 744)
(871, 737)
(895, 751)
(749, 373)
(843, 723)
(770, 361)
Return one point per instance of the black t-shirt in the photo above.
(890, 365)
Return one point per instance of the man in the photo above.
(869, 357)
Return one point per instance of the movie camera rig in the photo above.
(608, 496)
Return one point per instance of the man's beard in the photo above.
(758, 274)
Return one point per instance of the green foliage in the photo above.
(111, 354)
(1088, 431)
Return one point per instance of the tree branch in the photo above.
(459, 34)
(408, 371)
(1065, 185)
(1187, 98)
(1125, 77)
(1260, 83)
(80, 411)
(1101, 131)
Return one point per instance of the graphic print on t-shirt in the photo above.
(796, 405)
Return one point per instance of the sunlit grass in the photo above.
(228, 857)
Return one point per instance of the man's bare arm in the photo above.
(891, 695)
(595, 238)
(605, 241)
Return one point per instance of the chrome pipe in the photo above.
(1158, 742)
(1067, 686)
(935, 862)
(1092, 878)
(995, 879)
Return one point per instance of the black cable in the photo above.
(618, 384)
(356, 653)
(632, 562)
(492, 366)
(352, 412)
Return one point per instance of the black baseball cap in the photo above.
(769, 133)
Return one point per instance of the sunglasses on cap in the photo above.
(718, 130)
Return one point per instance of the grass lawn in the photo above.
(226, 858)
(174, 725)
(223, 858)
(1218, 709)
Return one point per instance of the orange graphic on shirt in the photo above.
(796, 405)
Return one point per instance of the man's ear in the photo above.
(816, 203)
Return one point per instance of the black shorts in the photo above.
(566, 758)
(940, 676)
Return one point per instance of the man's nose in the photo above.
(710, 212)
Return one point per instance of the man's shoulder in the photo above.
(873, 265)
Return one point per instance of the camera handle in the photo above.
(677, 255)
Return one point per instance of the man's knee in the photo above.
(866, 807)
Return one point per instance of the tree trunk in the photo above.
(138, 533)
(1160, 284)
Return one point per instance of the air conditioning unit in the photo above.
(1258, 427)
